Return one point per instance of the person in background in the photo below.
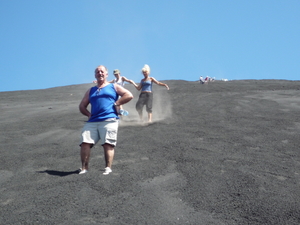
(146, 95)
(120, 80)
(201, 80)
(102, 124)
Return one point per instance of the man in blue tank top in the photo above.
(102, 124)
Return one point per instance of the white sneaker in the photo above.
(82, 171)
(107, 171)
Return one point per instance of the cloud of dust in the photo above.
(162, 107)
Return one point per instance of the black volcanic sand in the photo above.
(221, 153)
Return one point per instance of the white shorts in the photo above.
(105, 131)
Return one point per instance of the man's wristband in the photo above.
(116, 104)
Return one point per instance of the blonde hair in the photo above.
(146, 68)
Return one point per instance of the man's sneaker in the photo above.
(107, 171)
(81, 171)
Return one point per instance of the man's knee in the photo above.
(108, 146)
(86, 145)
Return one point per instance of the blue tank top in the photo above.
(147, 85)
(102, 103)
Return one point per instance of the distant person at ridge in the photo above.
(201, 80)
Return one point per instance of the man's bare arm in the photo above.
(84, 104)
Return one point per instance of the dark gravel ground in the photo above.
(225, 153)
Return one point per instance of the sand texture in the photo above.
(223, 153)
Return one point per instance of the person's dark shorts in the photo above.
(145, 98)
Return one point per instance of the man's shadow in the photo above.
(59, 173)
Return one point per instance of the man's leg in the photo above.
(109, 153)
(85, 155)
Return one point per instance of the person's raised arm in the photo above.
(159, 83)
(129, 81)
(138, 87)
(84, 104)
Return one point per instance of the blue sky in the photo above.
(50, 43)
